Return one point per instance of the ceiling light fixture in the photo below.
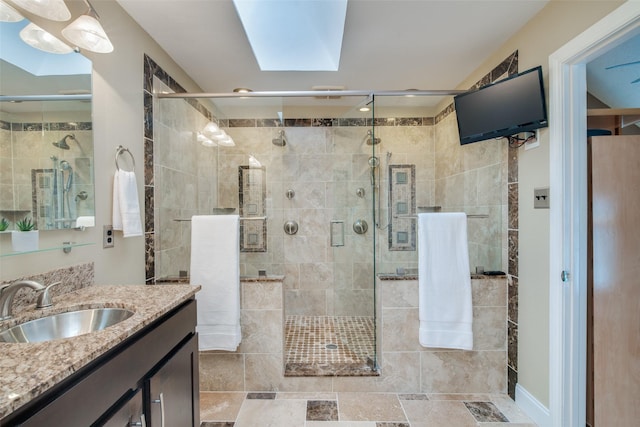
(242, 90)
(55, 10)
(40, 39)
(87, 33)
(205, 141)
(9, 14)
(224, 140)
(211, 130)
(364, 109)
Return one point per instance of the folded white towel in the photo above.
(444, 281)
(126, 208)
(215, 265)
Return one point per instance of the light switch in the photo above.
(541, 198)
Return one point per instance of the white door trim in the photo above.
(568, 218)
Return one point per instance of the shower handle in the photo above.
(291, 227)
(360, 226)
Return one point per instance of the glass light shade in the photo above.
(226, 141)
(87, 33)
(9, 14)
(205, 141)
(40, 39)
(55, 10)
(211, 130)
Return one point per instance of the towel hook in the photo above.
(119, 150)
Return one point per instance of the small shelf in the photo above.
(49, 249)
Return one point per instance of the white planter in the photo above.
(24, 241)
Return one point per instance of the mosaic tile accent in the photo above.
(42, 197)
(252, 194)
(322, 410)
(386, 424)
(402, 202)
(46, 126)
(326, 345)
(486, 412)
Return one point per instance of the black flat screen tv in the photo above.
(507, 107)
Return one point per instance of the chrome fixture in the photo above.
(360, 226)
(290, 194)
(44, 299)
(291, 227)
(281, 140)
(360, 192)
(371, 140)
(63, 142)
(8, 292)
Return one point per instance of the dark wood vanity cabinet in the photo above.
(153, 374)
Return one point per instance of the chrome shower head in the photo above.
(281, 140)
(63, 142)
(371, 140)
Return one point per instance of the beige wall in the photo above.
(555, 25)
(117, 119)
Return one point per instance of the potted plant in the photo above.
(25, 238)
(4, 224)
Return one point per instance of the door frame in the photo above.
(568, 218)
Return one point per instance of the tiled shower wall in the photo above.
(185, 177)
(27, 146)
(448, 175)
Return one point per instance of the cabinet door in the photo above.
(129, 414)
(174, 390)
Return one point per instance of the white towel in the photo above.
(215, 265)
(126, 208)
(444, 281)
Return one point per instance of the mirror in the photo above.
(46, 137)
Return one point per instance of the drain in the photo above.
(331, 346)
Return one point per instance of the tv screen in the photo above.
(506, 107)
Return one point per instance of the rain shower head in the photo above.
(371, 140)
(281, 140)
(63, 142)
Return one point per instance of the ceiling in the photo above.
(387, 45)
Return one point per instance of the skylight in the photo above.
(294, 35)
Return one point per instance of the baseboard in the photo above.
(532, 407)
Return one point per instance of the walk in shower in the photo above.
(327, 189)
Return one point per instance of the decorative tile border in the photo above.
(252, 190)
(402, 202)
(44, 127)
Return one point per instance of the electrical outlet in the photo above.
(541, 198)
(107, 236)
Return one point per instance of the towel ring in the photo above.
(119, 152)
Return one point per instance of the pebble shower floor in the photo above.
(329, 345)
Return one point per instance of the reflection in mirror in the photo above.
(46, 139)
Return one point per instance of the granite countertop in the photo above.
(27, 370)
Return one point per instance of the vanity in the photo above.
(142, 371)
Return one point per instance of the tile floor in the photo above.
(329, 345)
(237, 409)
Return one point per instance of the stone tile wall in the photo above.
(406, 367)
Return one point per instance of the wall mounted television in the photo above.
(504, 108)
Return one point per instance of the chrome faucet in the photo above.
(8, 292)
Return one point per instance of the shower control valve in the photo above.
(291, 227)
